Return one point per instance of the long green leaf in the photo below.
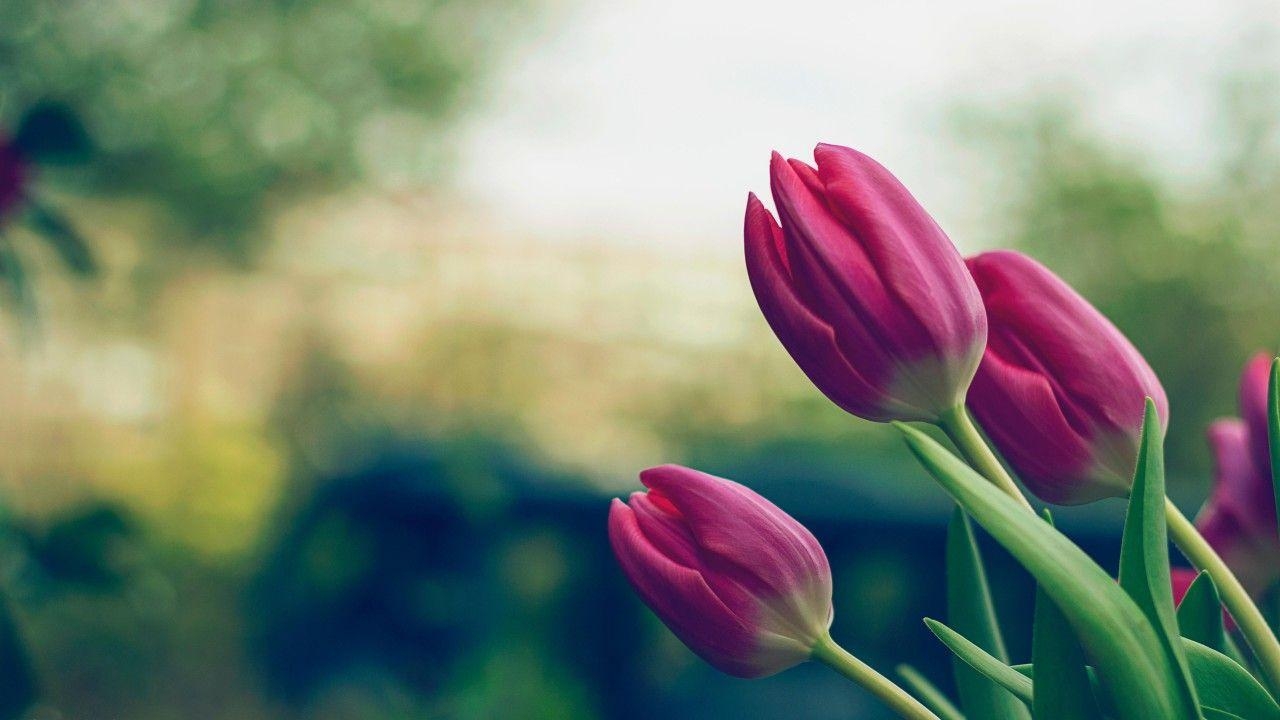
(1062, 692)
(1016, 684)
(1144, 553)
(1273, 424)
(929, 694)
(1117, 637)
(1200, 614)
(972, 614)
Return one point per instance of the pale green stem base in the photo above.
(839, 659)
(958, 426)
(1252, 624)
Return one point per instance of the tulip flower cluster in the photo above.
(887, 319)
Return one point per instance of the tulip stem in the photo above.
(1248, 618)
(958, 426)
(837, 658)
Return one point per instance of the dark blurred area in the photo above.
(288, 430)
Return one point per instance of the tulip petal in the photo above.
(808, 338)
(681, 598)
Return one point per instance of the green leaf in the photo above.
(1226, 687)
(1144, 552)
(13, 274)
(1200, 614)
(1063, 691)
(971, 612)
(63, 238)
(929, 694)
(1136, 673)
(983, 662)
(1273, 423)
(17, 679)
(1105, 709)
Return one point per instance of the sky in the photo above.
(648, 121)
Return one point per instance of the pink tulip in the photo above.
(738, 580)
(863, 288)
(1239, 520)
(13, 177)
(1061, 392)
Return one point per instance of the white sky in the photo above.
(647, 121)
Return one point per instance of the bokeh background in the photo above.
(330, 326)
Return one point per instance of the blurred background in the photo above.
(331, 326)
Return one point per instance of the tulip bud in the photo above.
(863, 288)
(1239, 520)
(1061, 392)
(742, 583)
(13, 176)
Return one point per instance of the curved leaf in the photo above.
(982, 661)
(1134, 670)
(1063, 691)
(1226, 687)
(1226, 690)
(1144, 553)
(972, 614)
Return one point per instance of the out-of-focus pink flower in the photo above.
(742, 583)
(1255, 382)
(1060, 390)
(863, 288)
(13, 178)
(1239, 520)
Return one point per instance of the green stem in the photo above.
(1247, 616)
(839, 659)
(958, 426)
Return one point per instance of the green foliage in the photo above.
(1200, 614)
(1063, 691)
(971, 612)
(1225, 687)
(1136, 673)
(1144, 553)
(217, 107)
(983, 662)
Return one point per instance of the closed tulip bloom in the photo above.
(738, 580)
(1061, 392)
(863, 288)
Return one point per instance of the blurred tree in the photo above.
(214, 107)
(1186, 273)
